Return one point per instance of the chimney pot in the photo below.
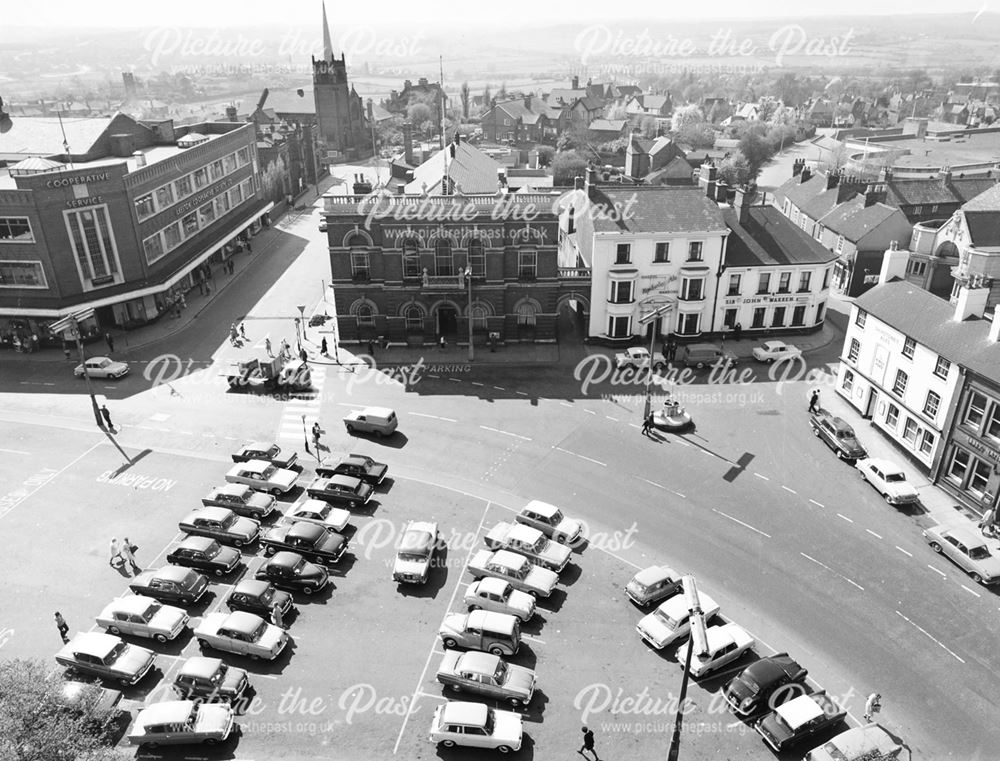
(971, 302)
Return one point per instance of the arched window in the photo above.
(411, 258)
(477, 258)
(357, 240)
(366, 316)
(479, 315)
(443, 262)
(414, 319)
(525, 315)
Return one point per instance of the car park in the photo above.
(775, 351)
(352, 491)
(476, 725)
(550, 520)
(182, 722)
(417, 546)
(102, 367)
(517, 569)
(765, 684)
(320, 513)
(487, 675)
(242, 500)
(263, 476)
(307, 539)
(170, 584)
(857, 744)
(205, 554)
(356, 466)
(106, 656)
(99, 704)
(241, 633)
(964, 547)
(671, 621)
(259, 597)
(259, 450)
(653, 584)
(799, 719)
(837, 435)
(222, 524)
(380, 421)
(500, 597)
(210, 680)
(142, 617)
(888, 480)
(496, 633)
(725, 644)
(701, 355)
(289, 570)
(530, 542)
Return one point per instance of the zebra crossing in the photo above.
(291, 430)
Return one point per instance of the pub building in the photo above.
(970, 466)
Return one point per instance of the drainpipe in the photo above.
(938, 463)
(718, 278)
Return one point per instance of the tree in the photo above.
(757, 151)
(686, 115)
(487, 97)
(649, 126)
(420, 115)
(545, 155)
(566, 165)
(502, 92)
(719, 111)
(464, 94)
(734, 169)
(33, 727)
(697, 135)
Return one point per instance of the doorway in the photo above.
(447, 321)
(872, 401)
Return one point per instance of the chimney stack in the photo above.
(742, 202)
(894, 263)
(945, 173)
(591, 179)
(577, 183)
(527, 101)
(408, 143)
(371, 111)
(971, 302)
(797, 166)
(231, 113)
(994, 335)
(832, 178)
(805, 174)
(873, 195)
(575, 83)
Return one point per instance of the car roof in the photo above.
(524, 533)
(200, 666)
(461, 712)
(343, 480)
(213, 513)
(965, 534)
(167, 712)
(506, 557)
(312, 504)
(170, 573)
(252, 587)
(305, 530)
(94, 643)
(800, 710)
(774, 344)
(242, 621)
(718, 636)
(256, 464)
(654, 573)
(497, 622)
(235, 489)
(770, 668)
(542, 508)
(377, 411)
(678, 603)
(428, 526)
(483, 663)
(197, 542)
(257, 445)
(131, 603)
(285, 559)
(492, 585)
(857, 740)
(355, 459)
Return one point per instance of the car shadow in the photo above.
(172, 647)
(553, 602)
(144, 688)
(221, 752)
(715, 681)
(534, 624)
(387, 483)
(437, 577)
(292, 495)
(569, 575)
(534, 711)
(396, 440)
(526, 656)
(321, 596)
(341, 567)
(911, 509)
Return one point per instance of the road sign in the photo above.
(655, 314)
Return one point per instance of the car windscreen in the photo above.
(894, 477)
(979, 553)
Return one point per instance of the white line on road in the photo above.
(927, 634)
(435, 417)
(737, 520)
(477, 383)
(41, 483)
(14, 451)
(941, 573)
(529, 638)
(455, 380)
(877, 536)
(841, 515)
(522, 393)
(499, 388)
(590, 412)
(653, 483)
(612, 418)
(679, 494)
(970, 591)
(765, 478)
(908, 554)
(582, 457)
(787, 489)
(565, 404)
(433, 376)
(818, 504)
(505, 433)
(840, 575)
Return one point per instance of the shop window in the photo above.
(525, 315)
(959, 466)
(689, 324)
(979, 478)
(153, 248)
(931, 404)
(826, 279)
(366, 316)
(758, 317)
(215, 170)
(164, 196)
(22, 275)
(16, 230)
(798, 316)
(414, 319)
(243, 155)
(927, 442)
(820, 308)
(235, 196)
(729, 318)
(848, 382)
(892, 417)
(618, 327)
(854, 351)
(899, 385)
(144, 206)
(778, 318)
(206, 214)
(183, 187)
(246, 189)
(942, 367)
(189, 224)
(910, 430)
(975, 412)
(172, 236)
(200, 177)
(993, 426)
(229, 162)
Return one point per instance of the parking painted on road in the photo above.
(136, 481)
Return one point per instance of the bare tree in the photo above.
(464, 94)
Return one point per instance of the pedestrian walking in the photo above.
(267, 347)
(588, 744)
(647, 424)
(322, 347)
(872, 706)
(184, 303)
(442, 344)
(371, 348)
(738, 330)
(208, 289)
(116, 553)
(249, 247)
(243, 331)
(986, 523)
(110, 342)
(814, 401)
(316, 433)
(128, 556)
(107, 417)
(63, 627)
(276, 616)
(303, 354)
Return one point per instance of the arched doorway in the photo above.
(572, 313)
(447, 320)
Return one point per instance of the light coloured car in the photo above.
(321, 513)
(798, 719)
(868, 741)
(889, 480)
(222, 524)
(671, 621)
(102, 367)
(488, 675)
(726, 643)
(517, 569)
(415, 555)
(530, 542)
(550, 520)
(263, 476)
(963, 546)
(143, 617)
(106, 656)
(381, 421)
(496, 633)
(476, 725)
(774, 351)
(241, 633)
(182, 722)
(637, 358)
(653, 584)
(500, 597)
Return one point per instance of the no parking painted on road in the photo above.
(137, 481)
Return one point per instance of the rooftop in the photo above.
(854, 220)
(663, 208)
(471, 170)
(938, 190)
(768, 238)
(976, 148)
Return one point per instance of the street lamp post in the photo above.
(302, 316)
(71, 325)
(468, 279)
(653, 318)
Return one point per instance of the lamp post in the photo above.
(302, 316)
(654, 319)
(468, 280)
(71, 325)
(697, 640)
(305, 435)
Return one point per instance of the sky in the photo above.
(68, 14)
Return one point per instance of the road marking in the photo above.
(14, 451)
(565, 404)
(432, 696)
(433, 376)
(840, 575)
(582, 457)
(455, 380)
(765, 478)
(841, 515)
(737, 520)
(8, 504)
(612, 418)
(435, 417)
(877, 536)
(635, 425)
(522, 393)
(679, 494)
(942, 573)
(505, 433)
(590, 412)
(159, 417)
(927, 634)
(789, 490)
(532, 639)
(499, 388)
(653, 483)
(970, 591)
(818, 504)
(476, 383)
(908, 554)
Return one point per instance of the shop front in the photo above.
(970, 468)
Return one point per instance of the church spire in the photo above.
(327, 44)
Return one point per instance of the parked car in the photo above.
(241, 633)
(963, 546)
(170, 584)
(259, 597)
(352, 491)
(888, 480)
(837, 435)
(415, 555)
(307, 539)
(356, 466)
(530, 542)
(701, 355)
(765, 684)
(321, 513)
(856, 744)
(205, 554)
(242, 500)
(653, 584)
(177, 722)
(259, 450)
(550, 521)
(517, 569)
(381, 421)
(636, 358)
(142, 617)
(799, 719)
(774, 351)
(210, 680)
(476, 725)
(102, 367)
(497, 633)
(487, 675)
(671, 621)
(289, 570)
(726, 643)
(106, 656)
(220, 523)
(263, 476)
(500, 597)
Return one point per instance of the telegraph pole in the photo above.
(468, 279)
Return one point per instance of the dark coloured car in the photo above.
(309, 540)
(170, 584)
(352, 491)
(210, 680)
(289, 570)
(765, 684)
(259, 450)
(356, 466)
(837, 435)
(242, 500)
(799, 719)
(258, 597)
(220, 523)
(206, 555)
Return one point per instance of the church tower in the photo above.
(340, 116)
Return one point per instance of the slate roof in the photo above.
(567, 96)
(984, 228)
(653, 102)
(660, 209)
(987, 200)
(607, 125)
(471, 170)
(290, 102)
(821, 204)
(936, 191)
(799, 192)
(659, 144)
(929, 320)
(768, 238)
(675, 169)
(854, 220)
(591, 104)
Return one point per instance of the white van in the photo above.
(381, 421)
